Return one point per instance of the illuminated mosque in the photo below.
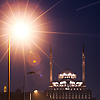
(67, 87)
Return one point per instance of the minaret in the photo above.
(83, 65)
(51, 65)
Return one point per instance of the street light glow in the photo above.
(35, 91)
(20, 30)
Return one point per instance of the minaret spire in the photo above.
(51, 65)
(83, 65)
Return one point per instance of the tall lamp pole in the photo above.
(9, 67)
(24, 81)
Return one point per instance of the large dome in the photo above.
(66, 74)
(67, 71)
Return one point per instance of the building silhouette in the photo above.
(68, 87)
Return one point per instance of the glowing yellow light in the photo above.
(5, 88)
(34, 61)
(20, 30)
(35, 91)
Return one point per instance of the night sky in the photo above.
(67, 24)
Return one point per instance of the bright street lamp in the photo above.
(20, 20)
(20, 30)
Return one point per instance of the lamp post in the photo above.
(9, 67)
(21, 30)
(24, 81)
(9, 71)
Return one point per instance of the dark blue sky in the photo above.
(75, 21)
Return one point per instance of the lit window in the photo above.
(85, 96)
(75, 97)
(50, 95)
(82, 96)
(53, 96)
(59, 97)
(63, 97)
(88, 96)
(46, 94)
(56, 97)
(66, 95)
(63, 93)
(69, 95)
(79, 97)
(72, 96)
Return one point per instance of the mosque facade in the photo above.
(67, 87)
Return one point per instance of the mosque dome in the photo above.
(67, 71)
(66, 74)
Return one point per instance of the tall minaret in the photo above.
(51, 65)
(83, 65)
